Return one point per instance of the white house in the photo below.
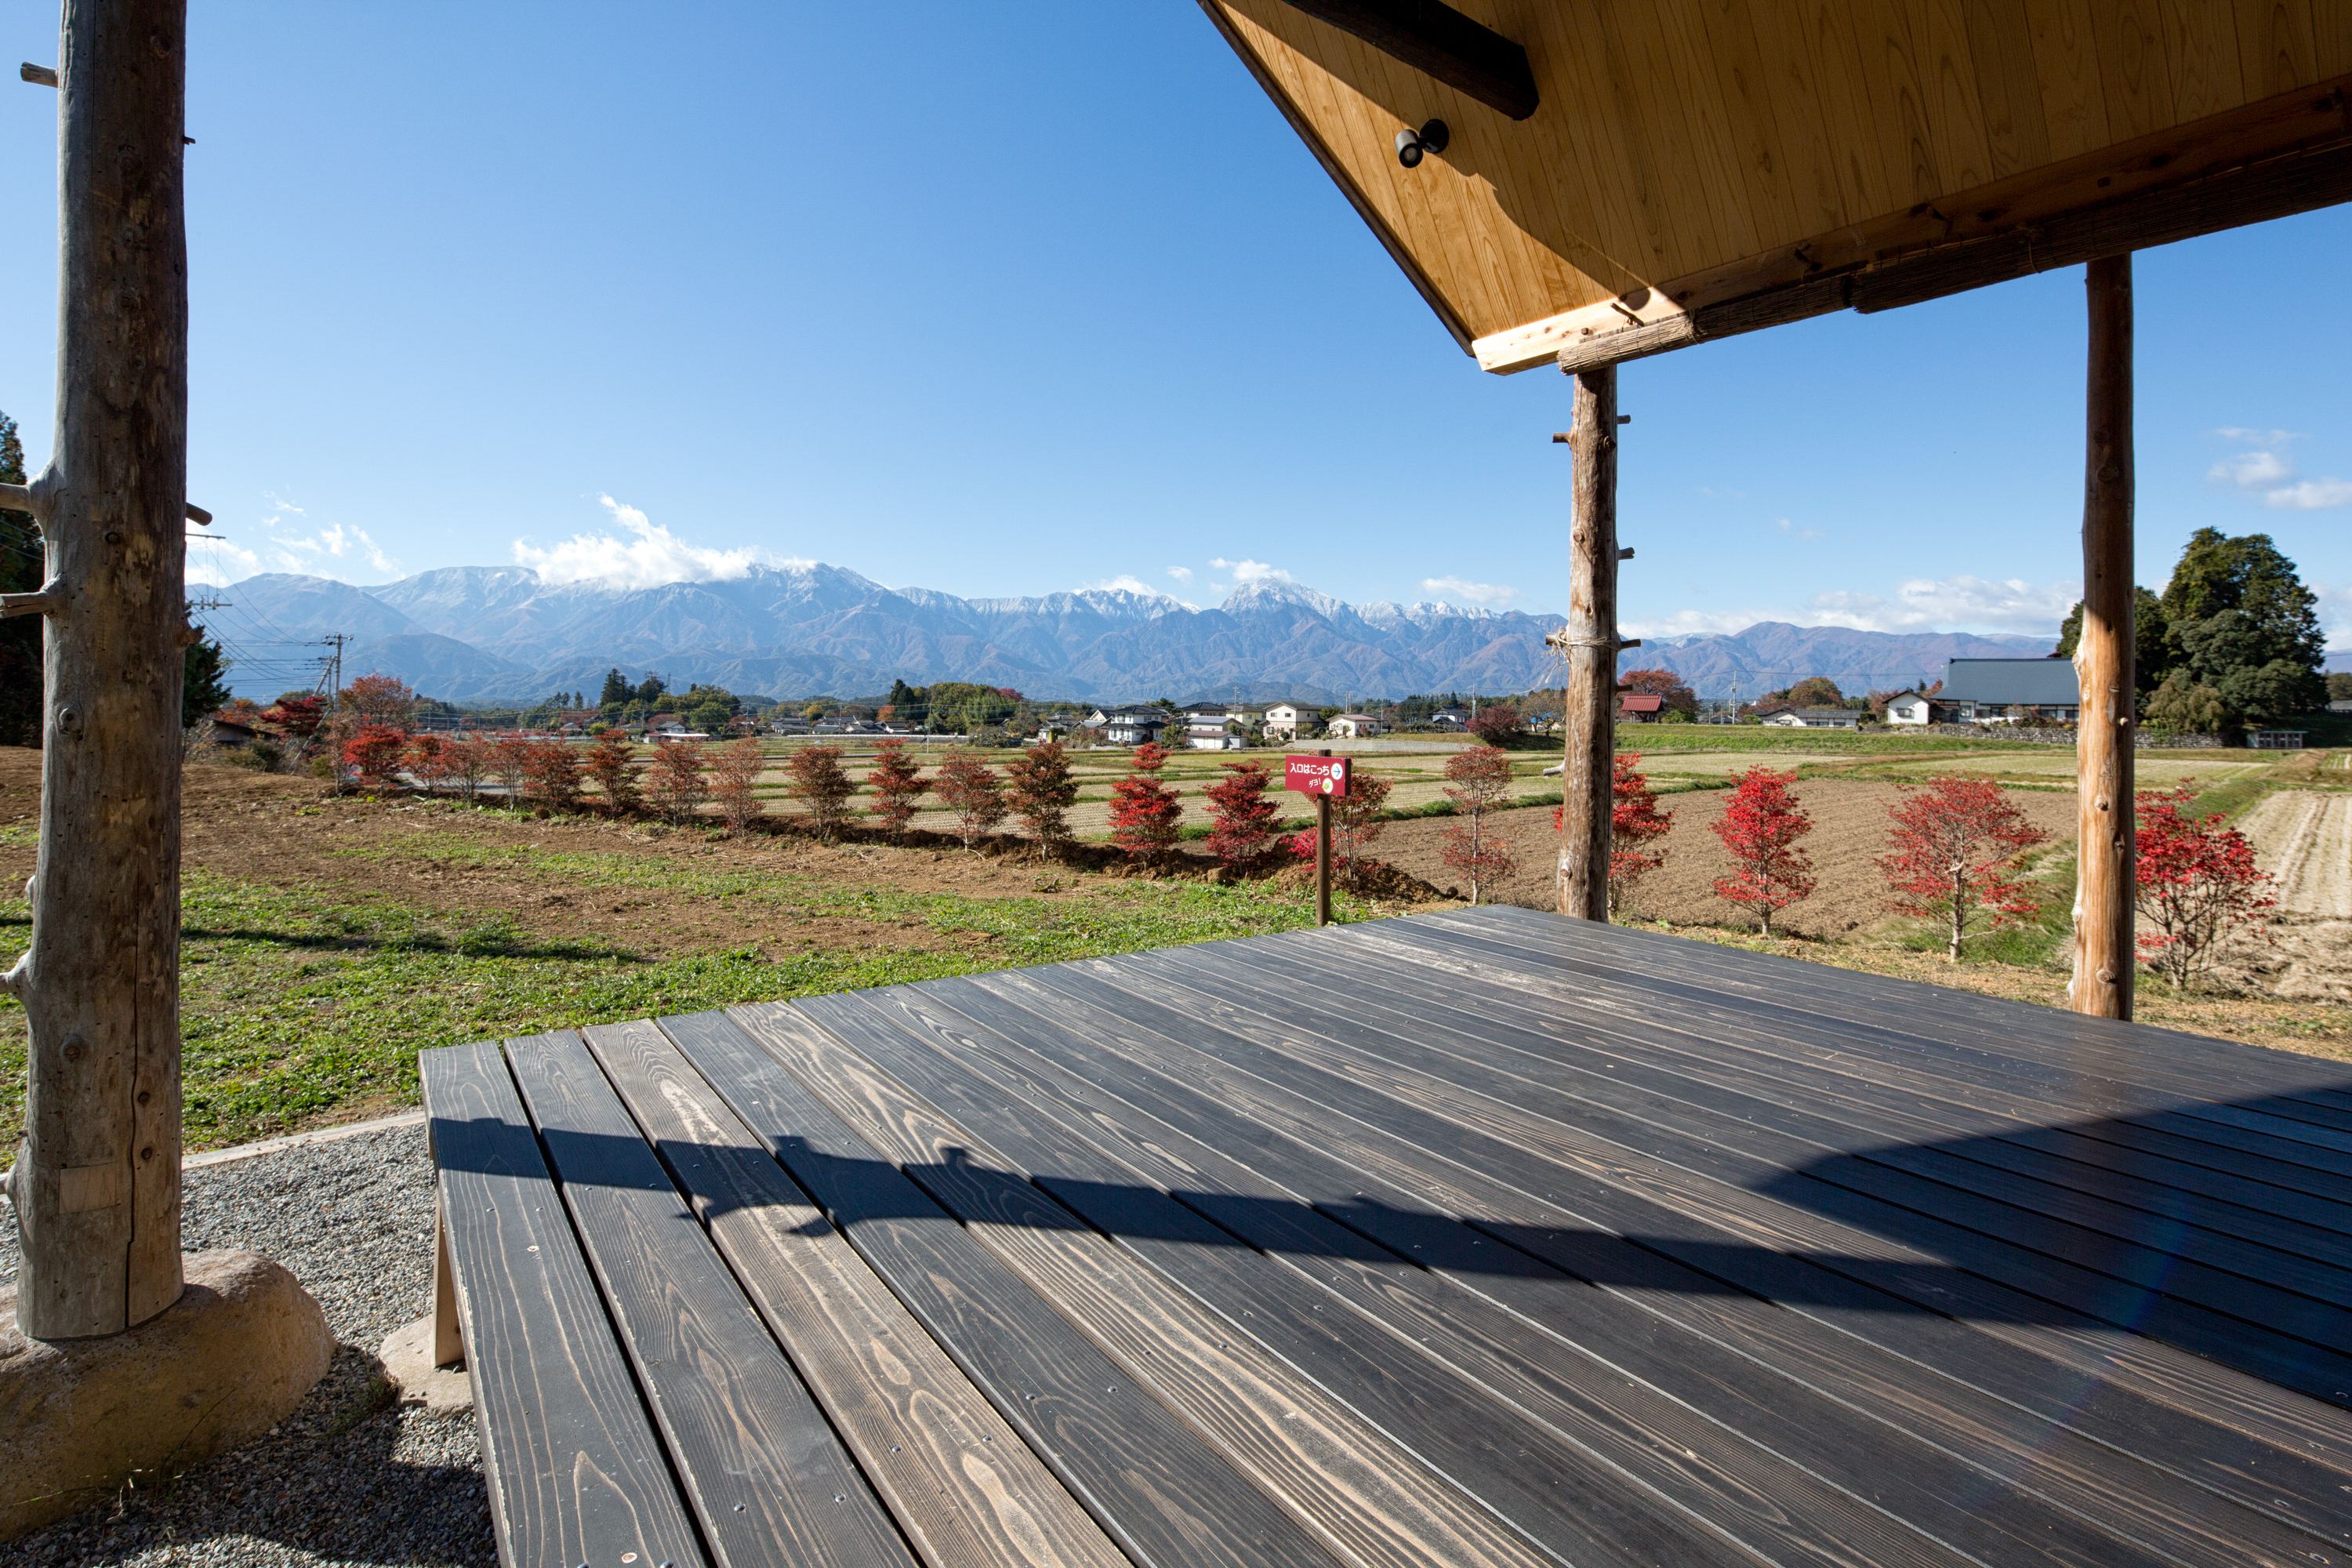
(1285, 719)
(1352, 726)
(1911, 708)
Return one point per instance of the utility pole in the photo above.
(335, 672)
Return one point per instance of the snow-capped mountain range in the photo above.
(475, 634)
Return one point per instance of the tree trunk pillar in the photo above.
(1589, 641)
(97, 1183)
(2103, 660)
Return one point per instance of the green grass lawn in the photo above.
(292, 1009)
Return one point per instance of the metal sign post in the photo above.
(1322, 777)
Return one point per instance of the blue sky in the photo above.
(1002, 300)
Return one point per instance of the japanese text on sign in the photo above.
(1315, 776)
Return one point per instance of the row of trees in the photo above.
(1954, 858)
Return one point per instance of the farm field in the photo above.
(328, 938)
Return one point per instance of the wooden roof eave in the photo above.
(2287, 154)
(1412, 269)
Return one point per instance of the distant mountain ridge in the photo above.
(488, 634)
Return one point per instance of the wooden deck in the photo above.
(1486, 1238)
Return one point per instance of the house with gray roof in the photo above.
(1983, 691)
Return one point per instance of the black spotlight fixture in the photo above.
(1413, 145)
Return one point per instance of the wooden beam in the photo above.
(1439, 41)
(1590, 640)
(2104, 655)
(2288, 154)
(96, 1185)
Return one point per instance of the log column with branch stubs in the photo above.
(1589, 643)
(2104, 657)
(96, 1184)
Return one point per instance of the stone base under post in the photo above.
(220, 1366)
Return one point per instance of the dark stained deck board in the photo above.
(1664, 1078)
(1485, 1236)
(911, 1412)
(759, 1465)
(1374, 1499)
(1848, 1047)
(575, 1472)
(2125, 1286)
(1395, 1378)
(1683, 1413)
(1602, 1056)
(1052, 1042)
(2058, 1047)
(1853, 1280)
(964, 1288)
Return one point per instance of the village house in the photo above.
(1284, 721)
(1911, 708)
(1639, 707)
(1130, 726)
(1985, 690)
(1789, 718)
(1352, 727)
(1451, 719)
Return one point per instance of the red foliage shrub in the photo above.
(553, 771)
(611, 762)
(2197, 884)
(1497, 722)
(897, 784)
(821, 782)
(1954, 844)
(1042, 790)
(735, 771)
(1242, 815)
(375, 753)
(1759, 826)
(678, 784)
(969, 787)
(1145, 813)
(1634, 820)
(298, 713)
(1474, 849)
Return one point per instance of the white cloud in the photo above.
(655, 557)
(218, 562)
(2250, 471)
(1919, 604)
(1687, 623)
(1252, 571)
(2257, 437)
(1788, 527)
(1492, 595)
(311, 553)
(1182, 573)
(1125, 584)
(2311, 495)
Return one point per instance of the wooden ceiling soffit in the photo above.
(1438, 41)
(2283, 155)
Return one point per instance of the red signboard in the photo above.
(1315, 776)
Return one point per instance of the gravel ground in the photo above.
(347, 1478)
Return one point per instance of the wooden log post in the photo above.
(2103, 660)
(96, 1184)
(1589, 641)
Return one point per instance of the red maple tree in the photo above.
(1634, 820)
(1954, 845)
(970, 788)
(736, 766)
(1760, 825)
(1475, 847)
(2197, 884)
(553, 767)
(1043, 792)
(1144, 813)
(679, 784)
(374, 752)
(611, 766)
(898, 782)
(1242, 815)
